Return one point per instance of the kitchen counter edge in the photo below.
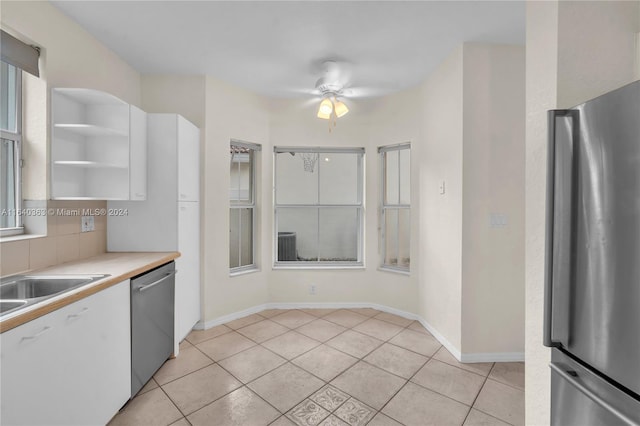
(140, 263)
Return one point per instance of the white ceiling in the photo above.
(276, 48)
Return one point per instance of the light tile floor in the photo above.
(324, 367)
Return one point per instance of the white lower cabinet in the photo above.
(71, 366)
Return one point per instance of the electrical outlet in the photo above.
(312, 289)
(88, 224)
(498, 220)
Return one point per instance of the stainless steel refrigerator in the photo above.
(592, 288)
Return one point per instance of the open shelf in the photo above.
(97, 197)
(90, 130)
(98, 146)
(89, 164)
(89, 96)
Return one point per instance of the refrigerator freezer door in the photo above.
(579, 397)
(602, 312)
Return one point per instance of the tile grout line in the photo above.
(174, 404)
(493, 379)
(206, 340)
(323, 381)
(373, 350)
(402, 387)
(261, 344)
(286, 362)
(478, 394)
(242, 385)
(483, 384)
(407, 380)
(494, 417)
(358, 359)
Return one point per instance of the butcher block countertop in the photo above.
(119, 266)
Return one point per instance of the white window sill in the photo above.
(405, 272)
(20, 237)
(244, 271)
(308, 266)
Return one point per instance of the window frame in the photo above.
(384, 206)
(252, 204)
(360, 206)
(16, 138)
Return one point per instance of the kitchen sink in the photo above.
(20, 291)
(10, 305)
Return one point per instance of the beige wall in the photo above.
(471, 285)
(175, 94)
(231, 113)
(575, 51)
(493, 183)
(440, 159)
(70, 57)
(369, 124)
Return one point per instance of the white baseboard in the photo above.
(230, 317)
(443, 340)
(493, 357)
(467, 358)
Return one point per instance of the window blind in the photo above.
(19, 54)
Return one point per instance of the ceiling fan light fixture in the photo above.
(340, 108)
(325, 109)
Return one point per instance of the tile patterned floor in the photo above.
(325, 367)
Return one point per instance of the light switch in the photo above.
(441, 187)
(88, 224)
(497, 220)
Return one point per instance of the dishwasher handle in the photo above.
(155, 283)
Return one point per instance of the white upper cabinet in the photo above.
(138, 154)
(188, 161)
(98, 147)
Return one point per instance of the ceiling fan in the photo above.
(335, 86)
(331, 86)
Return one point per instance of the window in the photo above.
(242, 204)
(395, 226)
(318, 207)
(10, 149)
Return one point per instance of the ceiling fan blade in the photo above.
(296, 92)
(364, 92)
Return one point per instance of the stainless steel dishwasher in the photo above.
(152, 322)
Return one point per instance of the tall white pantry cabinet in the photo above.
(169, 219)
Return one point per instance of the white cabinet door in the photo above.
(188, 266)
(137, 154)
(188, 161)
(69, 367)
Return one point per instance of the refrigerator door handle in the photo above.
(557, 251)
(571, 377)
